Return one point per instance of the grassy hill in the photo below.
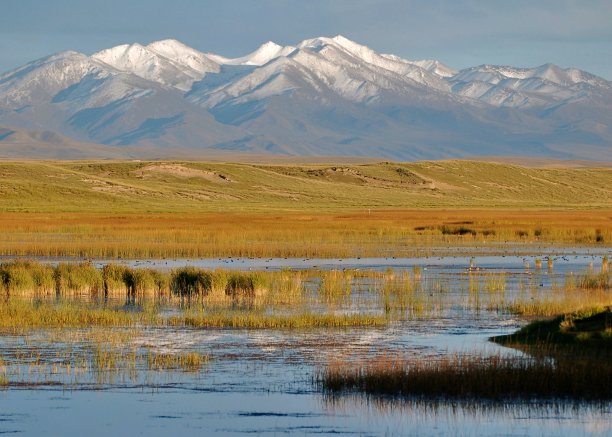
(133, 186)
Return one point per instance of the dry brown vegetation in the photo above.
(293, 234)
(469, 376)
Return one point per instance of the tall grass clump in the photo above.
(251, 284)
(191, 281)
(186, 361)
(113, 277)
(82, 278)
(17, 277)
(122, 280)
(596, 281)
(335, 284)
(139, 282)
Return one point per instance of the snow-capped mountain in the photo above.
(322, 96)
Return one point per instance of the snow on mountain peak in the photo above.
(327, 95)
(549, 73)
(167, 62)
(264, 54)
(184, 55)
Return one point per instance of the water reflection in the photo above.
(476, 417)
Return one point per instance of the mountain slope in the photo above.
(323, 96)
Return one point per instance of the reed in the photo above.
(335, 285)
(186, 361)
(253, 320)
(23, 315)
(282, 234)
(23, 277)
(471, 377)
(596, 281)
(78, 279)
(16, 314)
(251, 284)
(191, 281)
(113, 278)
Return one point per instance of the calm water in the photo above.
(260, 381)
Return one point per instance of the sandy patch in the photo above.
(180, 171)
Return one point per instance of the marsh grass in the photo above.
(471, 377)
(78, 279)
(284, 234)
(186, 361)
(292, 293)
(24, 277)
(596, 281)
(262, 320)
(249, 284)
(19, 314)
(335, 285)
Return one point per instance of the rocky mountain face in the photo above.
(324, 96)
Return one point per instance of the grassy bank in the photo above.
(589, 330)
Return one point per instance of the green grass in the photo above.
(590, 329)
(106, 186)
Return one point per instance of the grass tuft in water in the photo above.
(186, 361)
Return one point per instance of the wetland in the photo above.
(428, 298)
(239, 345)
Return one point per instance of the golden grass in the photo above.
(144, 210)
(22, 316)
(27, 315)
(579, 293)
(253, 320)
(290, 234)
(186, 361)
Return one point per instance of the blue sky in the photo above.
(459, 33)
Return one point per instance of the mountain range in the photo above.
(323, 96)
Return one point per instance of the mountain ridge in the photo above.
(322, 96)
